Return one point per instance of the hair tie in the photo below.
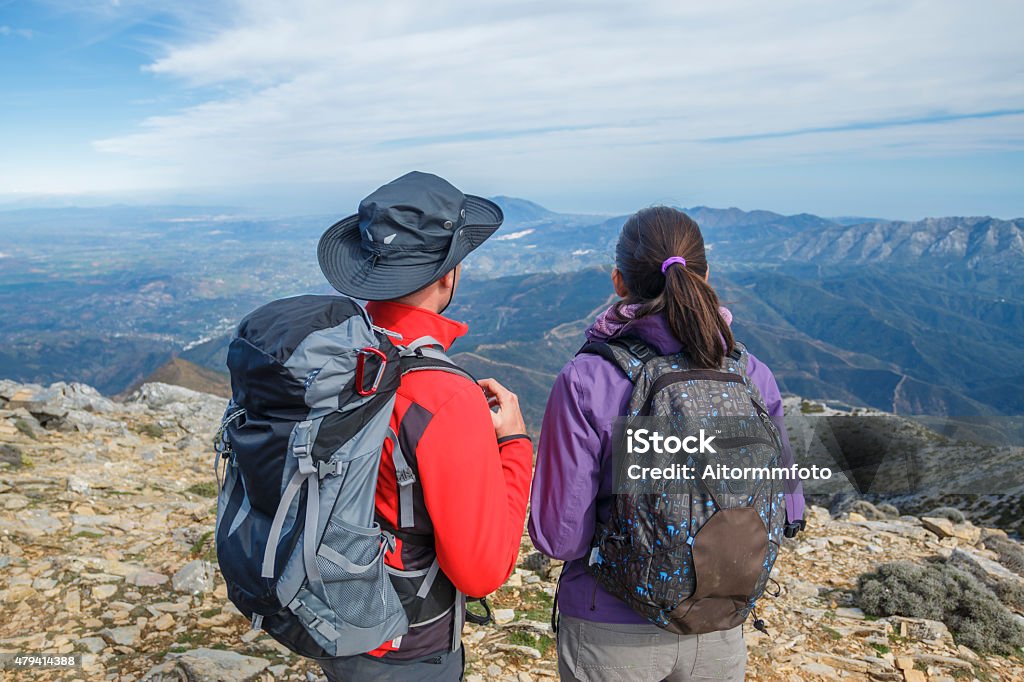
(671, 261)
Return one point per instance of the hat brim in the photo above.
(356, 273)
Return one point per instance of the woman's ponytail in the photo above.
(662, 259)
(691, 306)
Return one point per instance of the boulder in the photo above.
(208, 665)
(195, 577)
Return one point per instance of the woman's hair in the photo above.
(649, 237)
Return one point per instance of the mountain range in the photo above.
(914, 317)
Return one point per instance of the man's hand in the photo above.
(508, 418)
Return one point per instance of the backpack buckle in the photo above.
(405, 476)
(327, 468)
(794, 527)
(361, 370)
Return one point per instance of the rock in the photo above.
(93, 645)
(15, 501)
(503, 616)
(849, 612)
(924, 630)
(973, 560)
(164, 622)
(126, 635)
(944, 528)
(493, 671)
(195, 577)
(147, 579)
(967, 653)
(216, 665)
(73, 602)
(44, 584)
(103, 592)
(537, 562)
(904, 662)
(820, 669)
(914, 676)
(527, 651)
(843, 663)
(854, 516)
(78, 485)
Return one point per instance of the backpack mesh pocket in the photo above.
(351, 562)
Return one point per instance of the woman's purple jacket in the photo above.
(572, 485)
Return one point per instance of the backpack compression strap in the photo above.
(628, 353)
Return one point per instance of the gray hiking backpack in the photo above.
(694, 556)
(313, 387)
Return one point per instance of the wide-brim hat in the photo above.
(407, 234)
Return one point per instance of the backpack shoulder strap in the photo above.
(627, 353)
(427, 353)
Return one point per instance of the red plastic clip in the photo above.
(361, 370)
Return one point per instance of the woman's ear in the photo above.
(619, 284)
(707, 274)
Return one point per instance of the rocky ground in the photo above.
(106, 516)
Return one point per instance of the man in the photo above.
(454, 492)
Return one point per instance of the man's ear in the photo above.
(621, 290)
(449, 278)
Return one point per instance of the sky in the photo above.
(900, 109)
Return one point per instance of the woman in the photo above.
(661, 275)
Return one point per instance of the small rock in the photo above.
(527, 651)
(195, 577)
(103, 592)
(126, 635)
(850, 612)
(503, 616)
(250, 635)
(93, 645)
(78, 485)
(820, 669)
(73, 602)
(147, 579)
(536, 561)
(493, 670)
(164, 622)
(215, 665)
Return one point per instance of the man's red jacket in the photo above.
(474, 488)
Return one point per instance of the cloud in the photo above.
(532, 93)
(26, 33)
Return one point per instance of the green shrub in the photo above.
(204, 489)
(938, 591)
(807, 407)
(867, 510)
(890, 510)
(951, 513)
(1011, 554)
(152, 430)
(25, 428)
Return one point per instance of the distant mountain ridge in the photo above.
(180, 372)
(918, 316)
